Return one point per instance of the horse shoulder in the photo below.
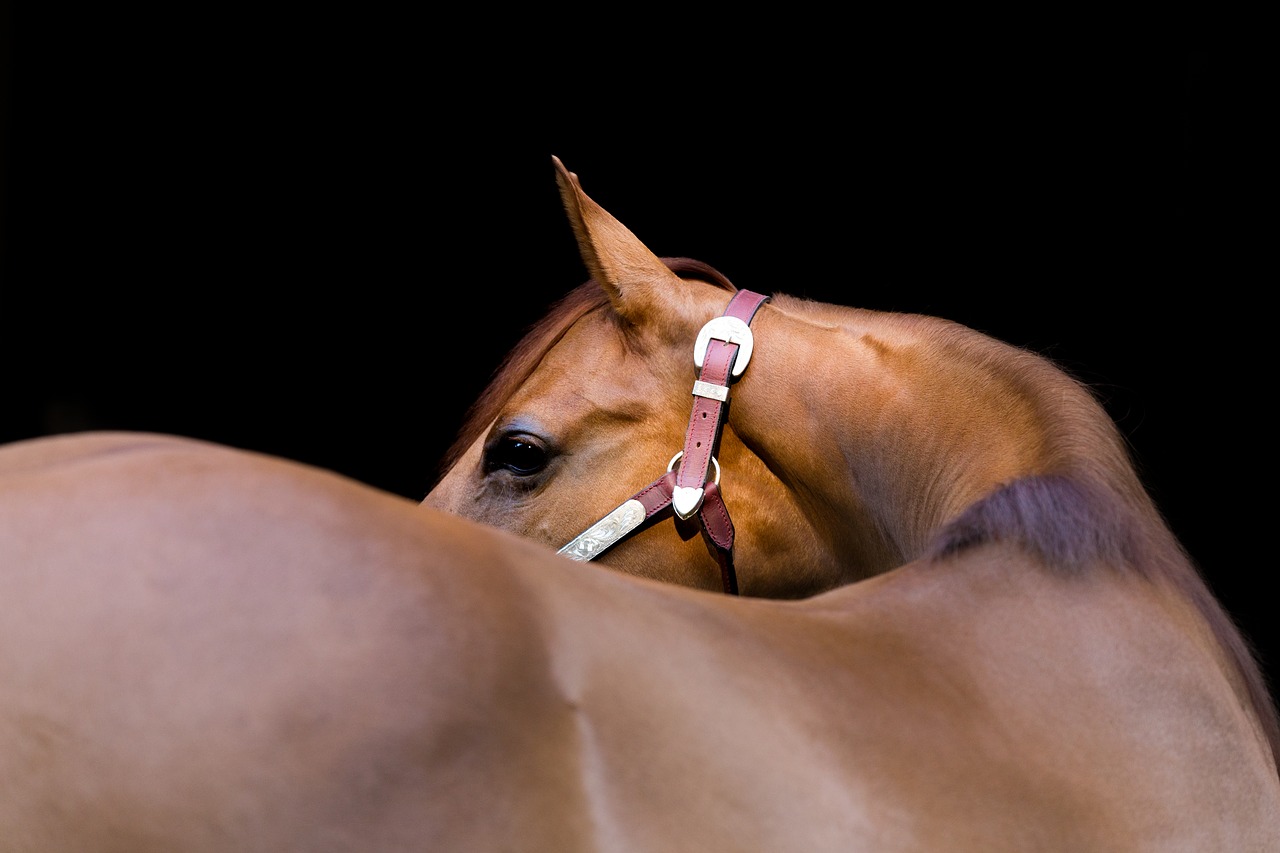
(1002, 686)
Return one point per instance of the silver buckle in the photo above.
(731, 330)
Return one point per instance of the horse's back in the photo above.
(205, 649)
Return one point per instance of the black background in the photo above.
(314, 231)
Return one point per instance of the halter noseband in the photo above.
(721, 352)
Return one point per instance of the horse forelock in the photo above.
(540, 337)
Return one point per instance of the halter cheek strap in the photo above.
(721, 352)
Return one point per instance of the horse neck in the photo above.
(946, 440)
(904, 421)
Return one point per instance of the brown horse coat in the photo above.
(205, 649)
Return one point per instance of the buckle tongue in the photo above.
(731, 330)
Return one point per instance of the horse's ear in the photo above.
(635, 279)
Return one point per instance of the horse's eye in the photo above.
(516, 454)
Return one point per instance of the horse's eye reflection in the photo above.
(517, 455)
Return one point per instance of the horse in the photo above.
(876, 583)
(991, 638)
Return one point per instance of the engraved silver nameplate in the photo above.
(591, 542)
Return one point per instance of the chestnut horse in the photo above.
(994, 642)
(879, 583)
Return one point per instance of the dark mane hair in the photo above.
(1089, 507)
(541, 337)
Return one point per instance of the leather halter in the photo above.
(721, 352)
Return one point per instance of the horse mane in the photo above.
(521, 361)
(1088, 508)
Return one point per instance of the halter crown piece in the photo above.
(721, 353)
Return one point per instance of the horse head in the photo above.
(848, 443)
(595, 403)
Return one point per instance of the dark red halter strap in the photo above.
(725, 344)
(721, 353)
(717, 527)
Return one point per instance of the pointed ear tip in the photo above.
(563, 172)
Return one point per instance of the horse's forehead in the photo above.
(596, 360)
